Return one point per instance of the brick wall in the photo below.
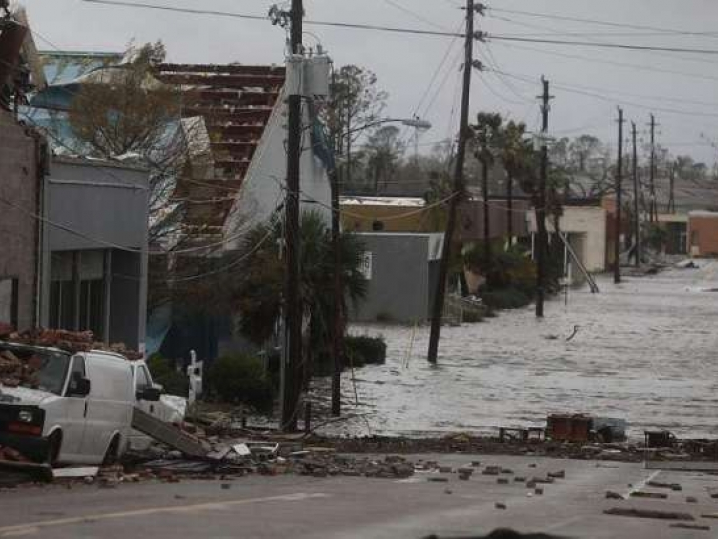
(18, 230)
(703, 234)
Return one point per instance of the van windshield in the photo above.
(33, 368)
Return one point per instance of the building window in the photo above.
(9, 301)
(77, 292)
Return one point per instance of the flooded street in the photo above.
(646, 351)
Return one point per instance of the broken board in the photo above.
(167, 434)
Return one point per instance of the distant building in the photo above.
(401, 270)
(388, 214)
(703, 233)
(585, 228)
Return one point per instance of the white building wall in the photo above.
(590, 222)
(264, 187)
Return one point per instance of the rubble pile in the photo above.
(15, 372)
(68, 341)
(11, 455)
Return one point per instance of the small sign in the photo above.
(367, 265)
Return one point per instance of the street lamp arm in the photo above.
(410, 122)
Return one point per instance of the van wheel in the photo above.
(112, 451)
(53, 449)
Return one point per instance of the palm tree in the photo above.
(486, 134)
(513, 156)
(259, 293)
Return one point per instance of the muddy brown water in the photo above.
(646, 351)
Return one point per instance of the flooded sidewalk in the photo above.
(645, 350)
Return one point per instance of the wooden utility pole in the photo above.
(653, 208)
(439, 296)
(672, 194)
(636, 196)
(542, 242)
(338, 327)
(486, 207)
(293, 309)
(619, 201)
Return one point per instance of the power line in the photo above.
(602, 97)
(554, 32)
(414, 14)
(628, 65)
(231, 14)
(623, 46)
(597, 22)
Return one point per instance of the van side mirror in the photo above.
(79, 387)
(151, 394)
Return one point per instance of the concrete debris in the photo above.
(683, 525)
(651, 495)
(82, 473)
(646, 513)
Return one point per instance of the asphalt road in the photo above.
(349, 508)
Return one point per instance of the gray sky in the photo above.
(405, 64)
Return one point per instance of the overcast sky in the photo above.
(663, 82)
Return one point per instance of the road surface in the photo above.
(352, 508)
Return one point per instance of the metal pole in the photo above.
(636, 196)
(293, 309)
(654, 202)
(439, 295)
(619, 202)
(541, 210)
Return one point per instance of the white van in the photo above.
(81, 409)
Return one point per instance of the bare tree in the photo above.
(123, 112)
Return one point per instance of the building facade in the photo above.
(94, 250)
(22, 158)
(703, 233)
(401, 272)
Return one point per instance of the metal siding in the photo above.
(399, 286)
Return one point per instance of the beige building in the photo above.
(585, 228)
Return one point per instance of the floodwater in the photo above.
(646, 351)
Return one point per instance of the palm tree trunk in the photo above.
(487, 220)
(510, 208)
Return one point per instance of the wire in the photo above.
(640, 67)
(354, 26)
(601, 97)
(414, 14)
(603, 23)
(554, 32)
(624, 46)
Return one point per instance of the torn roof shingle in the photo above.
(236, 103)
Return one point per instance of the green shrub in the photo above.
(241, 379)
(473, 316)
(364, 350)
(505, 298)
(165, 374)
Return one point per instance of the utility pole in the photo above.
(619, 201)
(293, 308)
(541, 210)
(653, 208)
(439, 295)
(338, 328)
(486, 207)
(672, 194)
(636, 196)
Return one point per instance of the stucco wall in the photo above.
(263, 189)
(703, 233)
(18, 229)
(590, 223)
